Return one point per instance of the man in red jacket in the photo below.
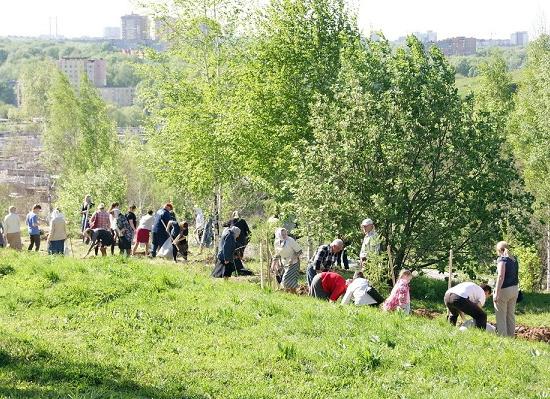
(328, 285)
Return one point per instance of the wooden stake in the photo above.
(450, 267)
(390, 264)
(261, 267)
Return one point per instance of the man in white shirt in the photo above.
(467, 298)
(370, 241)
(361, 292)
(12, 227)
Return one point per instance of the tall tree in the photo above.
(293, 57)
(398, 144)
(187, 93)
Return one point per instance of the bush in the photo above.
(530, 268)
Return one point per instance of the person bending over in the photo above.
(467, 298)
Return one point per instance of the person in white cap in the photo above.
(370, 241)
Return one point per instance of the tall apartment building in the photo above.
(458, 46)
(426, 37)
(519, 39)
(111, 33)
(135, 27)
(75, 67)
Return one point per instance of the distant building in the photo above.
(426, 37)
(111, 33)
(75, 67)
(491, 43)
(162, 28)
(121, 96)
(135, 27)
(458, 46)
(519, 39)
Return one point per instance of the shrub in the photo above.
(530, 267)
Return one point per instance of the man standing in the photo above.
(100, 219)
(160, 234)
(467, 298)
(12, 228)
(325, 257)
(33, 228)
(370, 241)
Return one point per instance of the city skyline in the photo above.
(394, 18)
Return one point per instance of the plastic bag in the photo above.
(166, 250)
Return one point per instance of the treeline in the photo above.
(289, 110)
(32, 64)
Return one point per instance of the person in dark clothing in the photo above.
(225, 260)
(160, 233)
(132, 219)
(100, 239)
(179, 233)
(242, 240)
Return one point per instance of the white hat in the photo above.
(367, 222)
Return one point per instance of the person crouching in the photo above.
(225, 260)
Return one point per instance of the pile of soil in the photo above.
(541, 334)
(430, 314)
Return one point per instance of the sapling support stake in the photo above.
(390, 264)
(450, 268)
(261, 267)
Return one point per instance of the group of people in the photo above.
(105, 229)
(10, 230)
(324, 283)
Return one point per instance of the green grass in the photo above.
(112, 328)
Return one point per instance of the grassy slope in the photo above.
(108, 328)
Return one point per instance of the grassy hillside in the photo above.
(134, 329)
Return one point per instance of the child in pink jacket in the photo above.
(400, 297)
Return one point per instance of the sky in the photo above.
(476, 18)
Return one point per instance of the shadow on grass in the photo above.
(35, 373)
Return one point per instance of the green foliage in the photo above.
(294, 56)
(136, 329)
(34, 83)
(79, 135)
(186, 94)
(529, 130)
(530, 267)
(398, 144)
(106, 183)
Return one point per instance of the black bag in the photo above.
(245, 272)
(375, 295)
(219, 269)
(520, 296)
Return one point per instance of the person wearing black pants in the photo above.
(467, 298)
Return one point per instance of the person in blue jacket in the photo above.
(160, 233)
(225, 261)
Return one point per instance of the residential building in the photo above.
(458, 46)
(75, 67)
(121, 96)
(519, 39)
(135, 27)
(111, 33)
(490, 43)
(426, 37)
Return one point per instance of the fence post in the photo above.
(261, 267)
(450, 267)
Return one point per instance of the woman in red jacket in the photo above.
(328, 285)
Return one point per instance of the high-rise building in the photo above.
(111, 33)
(458, 46)
(519, 39)
(135, 27)
(75, 67)
(426, 37)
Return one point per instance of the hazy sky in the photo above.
(479, 18)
